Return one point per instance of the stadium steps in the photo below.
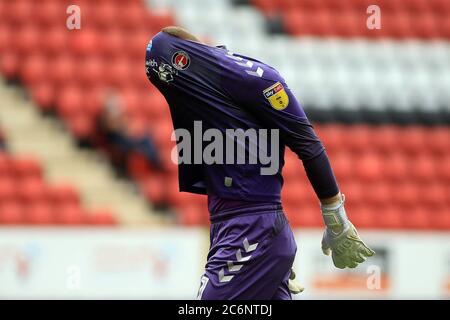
(29, 132)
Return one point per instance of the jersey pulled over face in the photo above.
(237, 97)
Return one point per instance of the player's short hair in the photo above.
(180, 33)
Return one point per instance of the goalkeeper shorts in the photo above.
(250, 258)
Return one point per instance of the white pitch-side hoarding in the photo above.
(166, 263)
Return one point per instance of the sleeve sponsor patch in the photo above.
(277, 96)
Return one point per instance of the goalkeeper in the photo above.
(252, 245)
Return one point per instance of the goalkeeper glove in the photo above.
(341, 238)
(294, 286)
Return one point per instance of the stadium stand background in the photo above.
(379, 99)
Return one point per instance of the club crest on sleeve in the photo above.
(181, 60)
(277, 96)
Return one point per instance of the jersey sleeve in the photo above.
(271, 101)
(265, 94)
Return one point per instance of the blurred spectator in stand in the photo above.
(2, 141)
(121, 140)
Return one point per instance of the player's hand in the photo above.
(294, 286)
(341, 239)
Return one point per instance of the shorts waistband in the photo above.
(262, 209)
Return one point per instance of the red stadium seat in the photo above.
(296, 22)
(364, 216)
(63, 69)
(342, 6)
(440, 218)
(418, 218)
(358, 139)
(83, 42)
(425, 25)
(81, 125)
(154, 105)
(440, 7)
(291, 168)
(267, 6)
(94, 100)
(63, 194)
(34, 69)
(321, 23)
(131, 17)
(296, 193)
(136, 44)
(111, 43)
(43, 94)
(369, 167)
(385, 138)
(27, 167)
(11, 213)
(391, 217)
(131, 102)
(91, 71)
(9, 64)
(70, 215)
(332, 136)
(175, 197)
(417, 7)
(70, 101)
(4, 165)
(8, 189)
(438, 140)
(355, 192)
(317, 5)
(307, 216)
(118, 72)
(55, 40)
(377, 194)
(343, 166)
(154, 188)
(434, 195)
(155, 21)
(51, 13)
(27, 39)
(286, 5)
(103, 14)
(102, 217)
(398, 25)
(348, 23)
(39, 214)
(444, 169)
(405, 194)
(423, 169)
(396, 168)
(32, 190)
(6, 34)
(138, 167)
(190, 215)
(19, 11)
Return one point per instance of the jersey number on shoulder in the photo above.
(248, 65)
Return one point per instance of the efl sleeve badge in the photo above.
(277, 96)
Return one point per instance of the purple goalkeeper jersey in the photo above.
(225, 91)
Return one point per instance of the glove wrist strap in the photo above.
(334, 215)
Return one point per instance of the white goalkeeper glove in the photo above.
(294, 286)
(341, 238)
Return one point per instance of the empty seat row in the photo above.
(16, 213)
(26, 198)
(411, 6)
(128, 15)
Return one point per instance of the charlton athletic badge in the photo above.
(181, 60)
